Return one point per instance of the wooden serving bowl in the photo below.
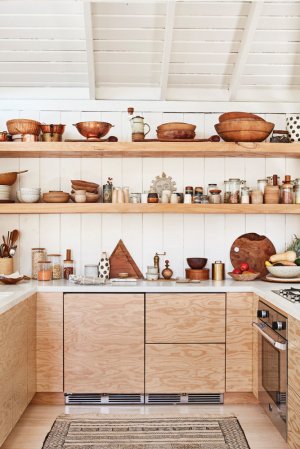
(244, 277)
(9, 178)
(196, 263)
(23, 126)
(235, 115)
(172, 126)
(56, 197)
(175, 134)
(243, 130)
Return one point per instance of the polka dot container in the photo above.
(293, 127)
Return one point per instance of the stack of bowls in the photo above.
(28, 194)
(243, 127)
(5, 193)
(175, 130)
(24, 130)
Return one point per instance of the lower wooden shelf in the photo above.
(101, 208)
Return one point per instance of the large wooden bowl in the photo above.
(172, 126)
(243, 130)
(175, 134)
(234, 115)
(23, 126)
(9, 178)
(93, 130)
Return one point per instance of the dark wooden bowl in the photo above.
(196, 263)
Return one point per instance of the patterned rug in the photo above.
(99, 432)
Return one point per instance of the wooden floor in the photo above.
(38, 419)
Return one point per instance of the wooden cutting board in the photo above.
(254, 249)
(122, 262)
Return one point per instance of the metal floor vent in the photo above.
(196, 398)
(102, 399)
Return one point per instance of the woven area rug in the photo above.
(98, 432)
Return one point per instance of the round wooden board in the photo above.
(254, 249)
(281, 280)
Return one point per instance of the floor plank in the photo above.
(38, 419)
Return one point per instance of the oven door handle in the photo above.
(277, 344)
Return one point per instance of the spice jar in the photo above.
(44, 271)
(215, 196)
(257, 197)
(226, 191)
(287, 194)
(261, 184)
(204, 199)
(235, 184)
(56, 266)
(245, 197)
(198, 190)
(152, 197)
(189, 190)
(135, 198)
(297, 193)
(37, 254)
(68, 265)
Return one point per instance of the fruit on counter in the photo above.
(268, 264)
(284, 263)
(289, 256)
(244, 266)
(237, 271)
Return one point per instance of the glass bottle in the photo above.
(56, 266)
(68, 265)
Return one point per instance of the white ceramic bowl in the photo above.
(28, 197)
(34, 190)
(285, 272)
(5, 188)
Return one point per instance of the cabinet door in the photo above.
(185, 318)
(294, 354)
(49, 342)
(5, 376)
(185, 368)
(239, 342)
(293, 419)
(31, 304)
(104, 343)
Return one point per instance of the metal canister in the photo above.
(218, 271)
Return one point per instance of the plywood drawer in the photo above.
(185, 368)
(185, 318)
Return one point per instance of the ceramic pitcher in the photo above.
(138, 128)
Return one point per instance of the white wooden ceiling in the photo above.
(174, 50)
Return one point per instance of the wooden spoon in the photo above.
(14, 235)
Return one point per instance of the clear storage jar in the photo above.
(37, 254)
(287, 194)
(226, 191)
(235, 184)
(56, 266)
(245, 197)
(44, 272)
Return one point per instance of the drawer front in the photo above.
(185, 318)
(185, 368)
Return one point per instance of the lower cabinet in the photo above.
(294, 383)
(17, 363)
(104, 343)
(185, 368)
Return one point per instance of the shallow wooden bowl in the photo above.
(56, 197)
(172, 126)
(243, 130)
(244, 277)
(236, 115)
(13, 281)
(175, 134)
(196, 263)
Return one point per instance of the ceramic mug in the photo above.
(187, 198)
(174, 198)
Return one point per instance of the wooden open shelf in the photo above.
(147, 149)
(92, 208)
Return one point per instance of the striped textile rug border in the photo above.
(99, 432)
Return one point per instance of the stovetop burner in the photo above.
(291, 294)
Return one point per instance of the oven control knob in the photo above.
(262, 314)
(279, 325)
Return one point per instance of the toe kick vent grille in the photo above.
(102, 399)
(196, 398)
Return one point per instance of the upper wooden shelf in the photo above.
(147, 149)
(93, 208)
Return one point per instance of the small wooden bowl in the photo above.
(13, 281)
(244, 277)
(196, 263)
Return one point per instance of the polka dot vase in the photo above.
(293, 127)
(103, 267)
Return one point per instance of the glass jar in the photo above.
(257, 197)
(297, 193)
(215, 196)
(226, 191)
(197, 199)
(287, 194)
(189, 190)
(211, 187)
(198, 190)
(135, 198)
(37, 254)
(91, 271)
(68, 265)
(204, 199)
(56, 266)
(44, 270)
(152, 197)
(245, 197)
(261, 184)
(235, 184)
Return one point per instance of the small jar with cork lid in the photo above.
(55, 260)
(287, 196)
(68, 265)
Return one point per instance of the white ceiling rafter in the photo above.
(166, 57)
(88, 26)
(246, 42)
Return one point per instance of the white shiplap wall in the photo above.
(180, 236)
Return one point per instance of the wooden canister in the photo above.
(197, 275)
(6, 265)
(272, 194)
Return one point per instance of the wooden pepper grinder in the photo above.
(167, 273)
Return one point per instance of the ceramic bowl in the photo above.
(33, 190)
(24, 197)
(196, 263)
(284, 272)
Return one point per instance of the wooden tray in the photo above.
(210, 139)
(281, 280)
(109, 139)
(254, 249)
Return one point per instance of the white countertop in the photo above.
(13, 294)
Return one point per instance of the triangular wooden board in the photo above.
(122, 262)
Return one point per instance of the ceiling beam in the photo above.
(247, 39)
(170, 18)
(88, 26)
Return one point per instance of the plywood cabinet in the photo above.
(49, 342)
(17, 363)
(185, 318)
(294, 383)
(185, 368)
(104, 343)
(239, 342)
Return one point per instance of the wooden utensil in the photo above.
(254, 249)
(122, 262)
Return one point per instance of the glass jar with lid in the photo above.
(297, 193)
(287, 194)
(261, 184)
(234, 184)
(44, 271)
(215, 196)
(204, 199)
(56, 266)
(245, 197)
(37, 254)
(226, 191)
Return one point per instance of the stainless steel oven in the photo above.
(272, 364)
